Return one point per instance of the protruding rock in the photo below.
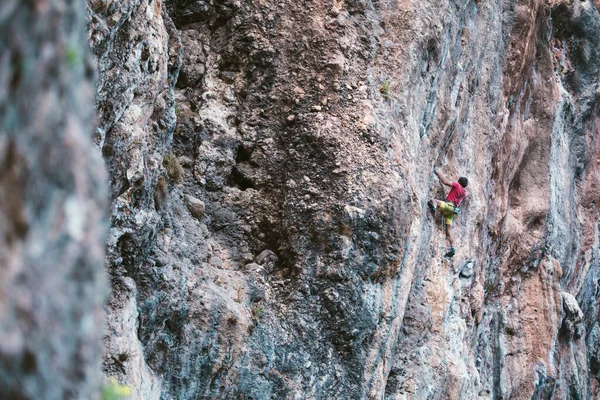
(195, 206)
(467, 270)
(267, 259)
(256, 290)
(572, 313)
(252, 267)
(186, 162)
(336, 62)
(227, 76)
(216, 261)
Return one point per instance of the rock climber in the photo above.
(449, 208)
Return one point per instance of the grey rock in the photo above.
(227, 76)
(138, 54)
(53, 202)
(467, 270)
(256, 291)
(186, 162)
(252, 267)
(215, 261)
(267, 259)
(266, 256)
(572, 313)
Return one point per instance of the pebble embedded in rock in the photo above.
(216, 261)
(227, 76)
(185, 161)
(467, 270)
(195, 206)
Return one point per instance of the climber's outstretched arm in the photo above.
(444, 180)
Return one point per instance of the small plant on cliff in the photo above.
(174, 168)
(160, 193)
(257, 311)
(113, 390)
(385, 89)
(238, 299)
(123, 357)
(72, 57)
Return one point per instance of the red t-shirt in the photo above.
(457, 194)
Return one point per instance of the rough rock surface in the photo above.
(53, 201)
(309, 130)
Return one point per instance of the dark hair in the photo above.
(463, 181)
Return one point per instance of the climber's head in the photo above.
(463, 181)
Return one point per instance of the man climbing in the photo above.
(449, 208)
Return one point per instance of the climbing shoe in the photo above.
(431, 206)
(450, 253)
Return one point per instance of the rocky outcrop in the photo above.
(270, 165)
(138, 53)
(572, 313)
(52, 206)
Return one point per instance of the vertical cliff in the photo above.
(270, 164)
(52, 206)
(524, 127)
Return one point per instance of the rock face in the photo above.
(270, 164)
(52, 206)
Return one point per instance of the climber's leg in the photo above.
(447, 210)
(449, 233)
